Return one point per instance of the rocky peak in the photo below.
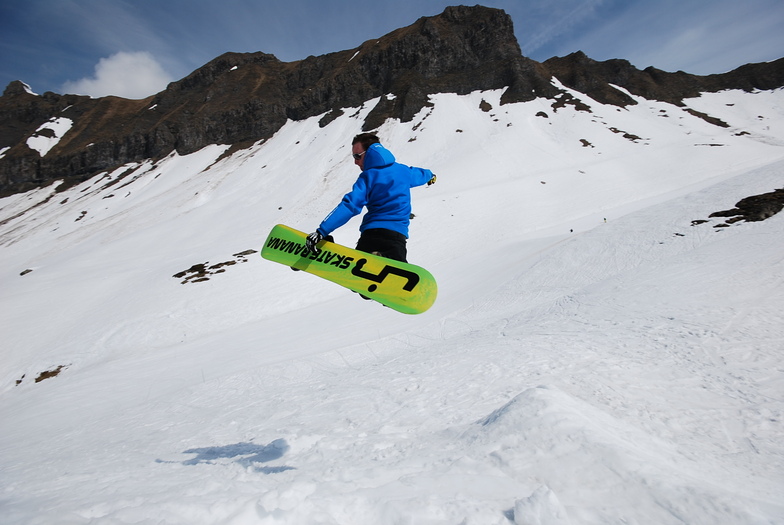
(15, 88)
(581, 73)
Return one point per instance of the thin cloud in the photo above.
(719, 40)
(128, 75)
(553, 20)
(108, 26)
(685, 35)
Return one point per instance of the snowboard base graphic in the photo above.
(401, 286)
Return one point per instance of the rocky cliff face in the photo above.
(242, 98)
(593, 78)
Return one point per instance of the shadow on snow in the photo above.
(247, 455)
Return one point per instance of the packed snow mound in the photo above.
(602, 349)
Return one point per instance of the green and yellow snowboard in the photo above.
(401, 286)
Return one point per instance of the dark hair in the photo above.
(366, 139)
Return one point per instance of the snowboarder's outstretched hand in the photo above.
(311, 242)
(432, 181)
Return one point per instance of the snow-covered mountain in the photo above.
(242, 98)
(594, 356)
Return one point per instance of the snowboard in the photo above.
(401, 286)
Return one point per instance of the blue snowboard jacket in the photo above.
(384, 188)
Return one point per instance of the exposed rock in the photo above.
(594, 78)
(202, 272)
(755, 208)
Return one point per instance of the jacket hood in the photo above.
(377, 156)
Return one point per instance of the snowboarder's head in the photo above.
(360, 145)
(369, 154)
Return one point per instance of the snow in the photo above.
(44, 142)
(592, 358)
(28, 89)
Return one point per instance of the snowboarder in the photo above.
(384, 188)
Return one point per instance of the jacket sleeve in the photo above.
(420, 176)
(351, 205)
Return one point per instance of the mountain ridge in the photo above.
(242, 98)
(581, 73)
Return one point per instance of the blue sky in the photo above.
(133, 48)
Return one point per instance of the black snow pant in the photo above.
(388, 243)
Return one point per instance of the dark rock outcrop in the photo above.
(593, 78)
(755, 208)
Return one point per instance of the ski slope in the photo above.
(592, 358)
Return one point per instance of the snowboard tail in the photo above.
(401, 286)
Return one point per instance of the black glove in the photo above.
(432, 181)
(311, 242)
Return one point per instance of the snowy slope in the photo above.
(592, 357)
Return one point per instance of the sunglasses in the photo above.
(358, 156)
